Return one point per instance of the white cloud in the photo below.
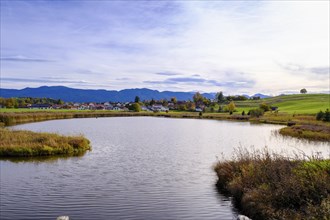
(216, 40)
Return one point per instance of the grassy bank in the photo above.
(305, 126)
(28, 144)
(265, 185)
(300, 125)
(298, 111)
(290, 104)
(13, 118)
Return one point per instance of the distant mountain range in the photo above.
(88, 95)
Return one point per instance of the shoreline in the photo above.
(298, 126)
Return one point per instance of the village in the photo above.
(157, 106)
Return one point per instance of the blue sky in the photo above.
(232, 46)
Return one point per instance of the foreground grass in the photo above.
(28, 144)
(266, 185)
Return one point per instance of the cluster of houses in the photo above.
(101, 106)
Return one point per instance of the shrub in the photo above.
(256, 112)
(324, 116)
(319, 115)
(231, 107)
(264, 107)
(135, 107)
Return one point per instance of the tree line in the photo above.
(22, 102)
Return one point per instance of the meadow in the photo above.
(291, 104)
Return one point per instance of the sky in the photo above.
(238, 47)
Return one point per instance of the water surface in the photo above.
(139, 168)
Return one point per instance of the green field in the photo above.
(300, 104)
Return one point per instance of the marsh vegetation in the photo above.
(267, 185)
(28, 144)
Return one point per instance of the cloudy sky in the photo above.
(236, 47)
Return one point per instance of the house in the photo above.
(116, 108)
(107, 106)
(159, 108)
(144, 108)
(100, 107)
(40, 106)
(91, 106)
(83, 107)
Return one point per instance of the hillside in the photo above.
(299, 103)
(89, 95)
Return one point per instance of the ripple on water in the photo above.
(139, 168)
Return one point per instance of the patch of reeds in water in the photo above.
(308, 131)
(27, 144)
(267, 185)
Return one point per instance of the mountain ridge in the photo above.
(68, 94)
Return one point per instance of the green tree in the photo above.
(326, 116)
(165, 102)
(11, 103)
(206, 101)
(264, 107)
(198, 97)
(135, 107)
(137, 99)
(174, 100)
(182, 107)
(303, 91)
(191, 106)
(59, 102)
(219, 97)
(231, 107)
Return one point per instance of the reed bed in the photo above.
(266, 185)
(27, 144)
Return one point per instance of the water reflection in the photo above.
(41, 159)
(140, 168)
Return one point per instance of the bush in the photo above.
(264, 107)
(319, 115)
(256, 112)
(231, 107)
(324, 116)
(135, 107)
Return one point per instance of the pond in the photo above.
(139, 168)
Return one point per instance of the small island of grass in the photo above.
(270, 186)
(15, 143)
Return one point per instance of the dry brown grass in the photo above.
(28, 143)
(266, 185)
